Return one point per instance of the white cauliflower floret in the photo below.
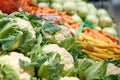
(69, 78)
(26, 24)
(13, 60)
(66, 57)
(60, 35)
(112, 69)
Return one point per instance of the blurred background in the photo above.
(113, 7)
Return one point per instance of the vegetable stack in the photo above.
(98, 44)
(46, 51)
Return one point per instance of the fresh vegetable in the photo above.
(110, 30)
(71, 46)
(55, 33)
(92, 19)
(111, 77)
(57, 6)
(43, 4)
(82, 11)
(10, 68)
(92, 9)
(51, 69)
(96, 47)
(76, 18)
(66, 20)
(7, 72)
(91, 70)
(47, 65)
(69, 7)
(68, 58)
(58, 1)
(97, 28)
(81, 3)
(105, 21)
(68, 62)
(112, 70)
(102, 12)
(16, 34)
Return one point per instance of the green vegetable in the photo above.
(4, 21)
(110, 60)
(50, 28)
(91, 70)
(82, 11)
(2, 15)
(111, 77)
(43, 4)
(57, 6)
(7, 72)
(52, 68)
(105, 21)
(76, 18)
(16, 41)
(70, 7)
(102, 12)
(72, 72)
(14, 36)
(71, 46)
(92, 19)
(110, 30)
(47, 64)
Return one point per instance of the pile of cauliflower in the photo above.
(12, 59)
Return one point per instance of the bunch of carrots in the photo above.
(98, 44)
(28, 6)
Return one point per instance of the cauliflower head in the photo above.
(26, 24)
(60, 35)
(25, 73)
(66, 57)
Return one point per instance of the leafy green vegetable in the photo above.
(48, 27)
(91, 70)
(84, 65)
(111, 77)
(4, 21)
(71, 46)
(70, 72)
(52, 68)
(8, 72)
(110, 60)
(2, 15)
(48, 66)
(14, 36)
(21, 14)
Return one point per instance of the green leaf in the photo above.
(8, 72)
(6, 29)
(16, 41)
(96, 71)
(52, 68)
(48, 27)
(84, 65)
(68, 43)
(73, 48)
(91, 70)
(111, 77)
(110, 60)
(4, 21)
(27, 42)
(36, 63)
